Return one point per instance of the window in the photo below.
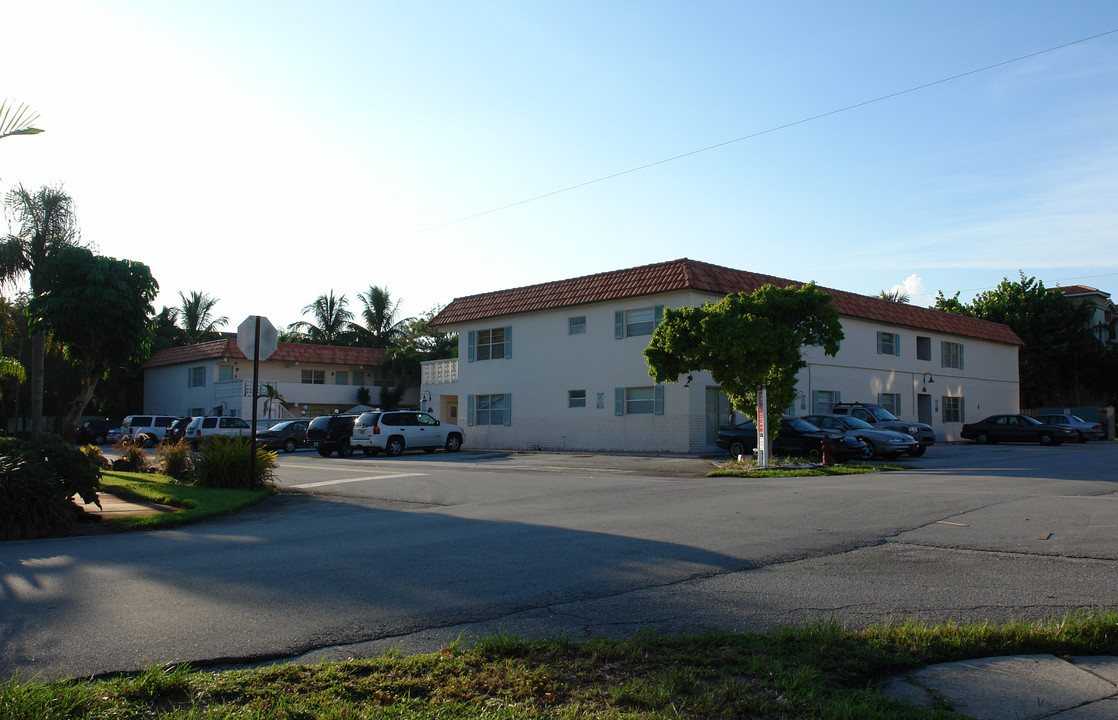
(576, 325)
(888, 343)
(639, 401)
(951, 355)
(196, 377)
(195, 412)
(630, 323)
(823, 400)
(890, 402)
(576, 398)
(358, 377)
(314, 377)
(224, 373)
(341, 377)
(489, 409)
(953, 409)
(492, 344)
(923, 348)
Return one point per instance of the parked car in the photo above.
(95, 431)
(796, 438)
(395, 431)
(177, 431)
(882, 419)
(883, 443)
(331, 433)
(112, 435)
(1086, 430)
(201, 427)
(287, 436)
(146, 430)
(1017, 428)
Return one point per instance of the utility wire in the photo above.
(759, 133)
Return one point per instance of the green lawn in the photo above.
(821, 671)
(196, 503)
(794, 468)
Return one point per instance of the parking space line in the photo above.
(358, 479)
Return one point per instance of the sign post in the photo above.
(762, 428)
(257, 338)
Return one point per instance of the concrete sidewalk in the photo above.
(1022, 687)
(113, 506)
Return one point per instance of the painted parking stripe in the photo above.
(358, 479)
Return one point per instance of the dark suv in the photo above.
(882, 419)
(330, 433)
(93, 431)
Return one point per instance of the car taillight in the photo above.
(376, 430)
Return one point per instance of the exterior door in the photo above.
(924, 409)
(718, 413)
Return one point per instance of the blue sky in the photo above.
(268, 152)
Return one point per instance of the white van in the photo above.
(201, 427)
(146, 430)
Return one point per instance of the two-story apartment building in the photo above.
(560, 365)
(215, 378)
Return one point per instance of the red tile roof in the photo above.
(685, 274)
(286, 352)
(1082, 290)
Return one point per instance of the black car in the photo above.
(1017, 428)
(287, 435)
(331, 433)
(94, 431)
(797, 438)
(177, 431)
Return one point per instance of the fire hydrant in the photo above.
(828, 446)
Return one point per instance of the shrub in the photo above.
(224, 462)
(132, 456)
(38, 479)
(176, 460)
(93, 452)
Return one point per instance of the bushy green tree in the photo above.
(38, 478)
(746, 341)
(331, 321)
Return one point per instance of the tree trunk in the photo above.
(38, 355)
(77, 407)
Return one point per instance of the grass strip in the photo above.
(195, 503)
(736, 469)
(819, 671)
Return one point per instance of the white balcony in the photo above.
(439, 372)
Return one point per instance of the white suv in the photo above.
(146, 430)
(201, 427)
(398, 430)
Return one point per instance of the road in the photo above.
(363, 554)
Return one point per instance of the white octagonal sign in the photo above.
(246, 337)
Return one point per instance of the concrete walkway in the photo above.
(1022, 687)
(113, 506)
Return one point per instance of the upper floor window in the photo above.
(196, 377)
(341, 377)
(888, 343)
(224, 373)
(313, 377)
(492, 344)
(923, 348)
(576, 325)
(951, 355)
(641, 321)
(358, 377)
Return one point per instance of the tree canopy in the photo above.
(746, 341)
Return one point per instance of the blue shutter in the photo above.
(659, 315)
(897, 344)
(508, 342)
(619, 324)
(508, 408)
(658, 400)
(469, 409)
(619, 401)
(470, 340)
(960, 356)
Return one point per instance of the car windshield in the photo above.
(855, 424)
(883, 414)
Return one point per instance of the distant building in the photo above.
(559, 365)
(1103, 322)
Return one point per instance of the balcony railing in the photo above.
(440, 372)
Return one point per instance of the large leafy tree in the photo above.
(196, 317)
(746, 341)
(98, 308)
(380, 324)
(46, 225)
(426, 340)
(1059, 347)
(331, 320)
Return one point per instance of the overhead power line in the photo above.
(768, 131)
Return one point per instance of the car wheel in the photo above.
(1082, 437)
(147, 441)
(453, 442)
(323, 451)
(918, 451)
(870, 449)
(370, 452)
(395, 446)
(981, 438)
(99, 440)
(1046, 439)
(289, 445)
(737, 448)
(815, 455)
(344, 448)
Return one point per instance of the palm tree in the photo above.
(196, 319)
(379, 326)
(896, 295)
(16, 120)
(271, 396)
(334, 321)
(46, 224)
